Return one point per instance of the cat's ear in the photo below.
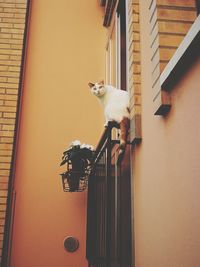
(101, 82)
(91, 85)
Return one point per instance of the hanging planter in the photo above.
(78, 158)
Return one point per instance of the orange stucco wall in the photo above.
(166, 171)
(65, 51)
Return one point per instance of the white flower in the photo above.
(90, 147)
(83, 145)
(87, 146)
(75, 143)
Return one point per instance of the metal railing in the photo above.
(108, 234)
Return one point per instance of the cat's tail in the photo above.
(124, 128)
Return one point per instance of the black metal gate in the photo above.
(109, 206)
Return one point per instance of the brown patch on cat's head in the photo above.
(101, 82)
(91, 85)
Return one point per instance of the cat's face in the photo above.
(97, 89)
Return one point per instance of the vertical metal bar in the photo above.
(108, 194)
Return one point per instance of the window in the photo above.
(109, 235)
(116, 49)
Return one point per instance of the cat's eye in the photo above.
(101, 86)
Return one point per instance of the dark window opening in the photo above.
(121, 12)
(198, 6)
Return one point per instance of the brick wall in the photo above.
(134, 71)
(12, 29)
(170, 20)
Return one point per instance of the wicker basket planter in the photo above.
(78, 159)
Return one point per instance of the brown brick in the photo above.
(3, 173)
(2, 215)
(10, 5)
(136, 68)
(170, 40)
(8, 128)
(9, 115)
(5, 35)
(15, 10)
(136, 99)
(8, 85)
(3, 68)
(5, 153)
(12, 91)
(14, 68)
(18, 47)
(2, 91)
(10, 52)
(6, 147)
(7, 133)
(8, 97)
(9, 73)
(136, 36)
(6, 108)
(20, 16)
(3, 57)
(11, 103)
(16, 1)
(12, 30)
(170, 14)
(4, 179)
(6, 15)
(166, 53)
(6, 25)
(1, 227)
(180, 3)
(14, 20)
(21, 5)
(3, 200)
(137, 88)
(3, 186)
(7, 120)
(11, 41)
(135, 9)
(17, 36)
(173, 27)
(3, 79)
(8, 140)
(136, 78)
(136, 46)
(5, 46)
(13, 80)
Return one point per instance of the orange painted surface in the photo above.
(65, 51)
(166, 171)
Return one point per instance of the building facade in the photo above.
(143, 212)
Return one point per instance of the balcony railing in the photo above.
(109, 206)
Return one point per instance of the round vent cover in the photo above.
(71, 244)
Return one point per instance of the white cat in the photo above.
(116, 108)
